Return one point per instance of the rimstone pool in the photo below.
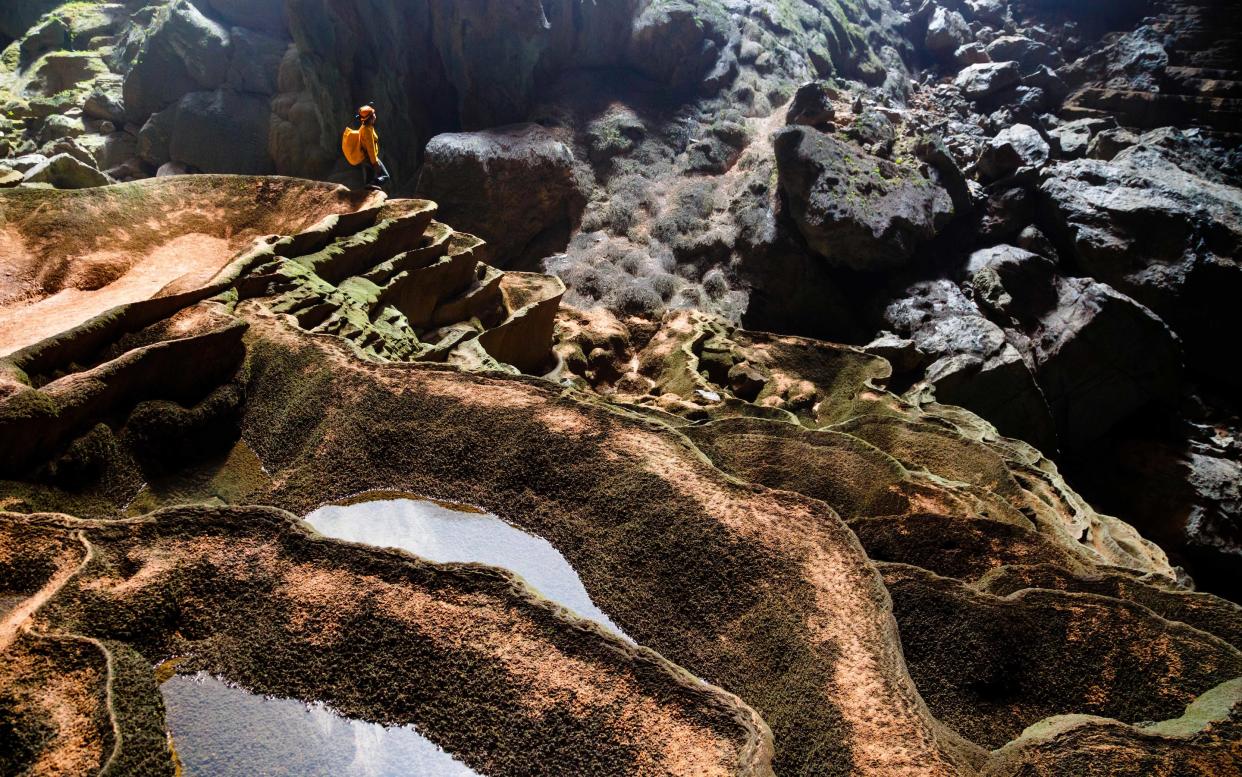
(220, 730)
(443, 533)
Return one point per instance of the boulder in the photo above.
(1046, 80)
(1111, 142)
(156, 135)
(58, 126)
(1035, 241)
(986, 79)
(82, 149)
(1098, 355)
(52, 34)
(1029, 54)
(1012, 149)
(105, 102)
(513, 186)
(678, 43)
(116, 148)
(990, 12)
(854, 209)
(222, 132)
(874, 131)
(255, 61)
(9, 177)
(65, 172)
(183, 51)
(1071, 140)
(971, 54)
(25, 162)
(811, 106)
(972, 362)
(171, 168)
(1162, 224)
(901, 352)
(932, 150)
(64, 72)
(1006, 214)
(946, 31)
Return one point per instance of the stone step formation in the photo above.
(1200, 83)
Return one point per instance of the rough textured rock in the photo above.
(182, 51)
(987, 78)
(1162, 225)
(1012, 149)
(65, 172)
(946, 32)
(1072, 139)
(971, 361)
(854, 209)
(202, 119)
(812, 106)
(1097, 355)
(1029, 54)
(515, 186)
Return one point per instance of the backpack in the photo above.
(351, 145)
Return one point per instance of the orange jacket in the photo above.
(360, 145)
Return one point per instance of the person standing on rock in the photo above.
(361, 147)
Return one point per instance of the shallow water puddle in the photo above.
(444, 533)
(220, 731)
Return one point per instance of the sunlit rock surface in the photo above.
(838, 448)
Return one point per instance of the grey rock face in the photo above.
(854, 209)
(183, 51)
(1029, 54)
(946, 31)
(988, 78)
(513, 186)
(971, 54)
(255, 61)
(1097, 355)
(1160, 224)
(63, 171)
(222, 131)
(811, 106)
(972, 362)
(1014, 148)
(677, 43)
(1071, 140)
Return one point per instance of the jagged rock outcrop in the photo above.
(65, 171)
(854, 209)
(1162, 224)
(514, 186)
(1097, 355)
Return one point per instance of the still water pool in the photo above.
(444, 533)
(220, 730)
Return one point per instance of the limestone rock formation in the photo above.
(821, 339)
(985, 79)
(64, 171)
(514, 186)
(1163, 225)
(760, 478)
(854, 209)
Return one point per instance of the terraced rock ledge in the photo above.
(820, 576)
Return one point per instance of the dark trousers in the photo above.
(374, 174)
